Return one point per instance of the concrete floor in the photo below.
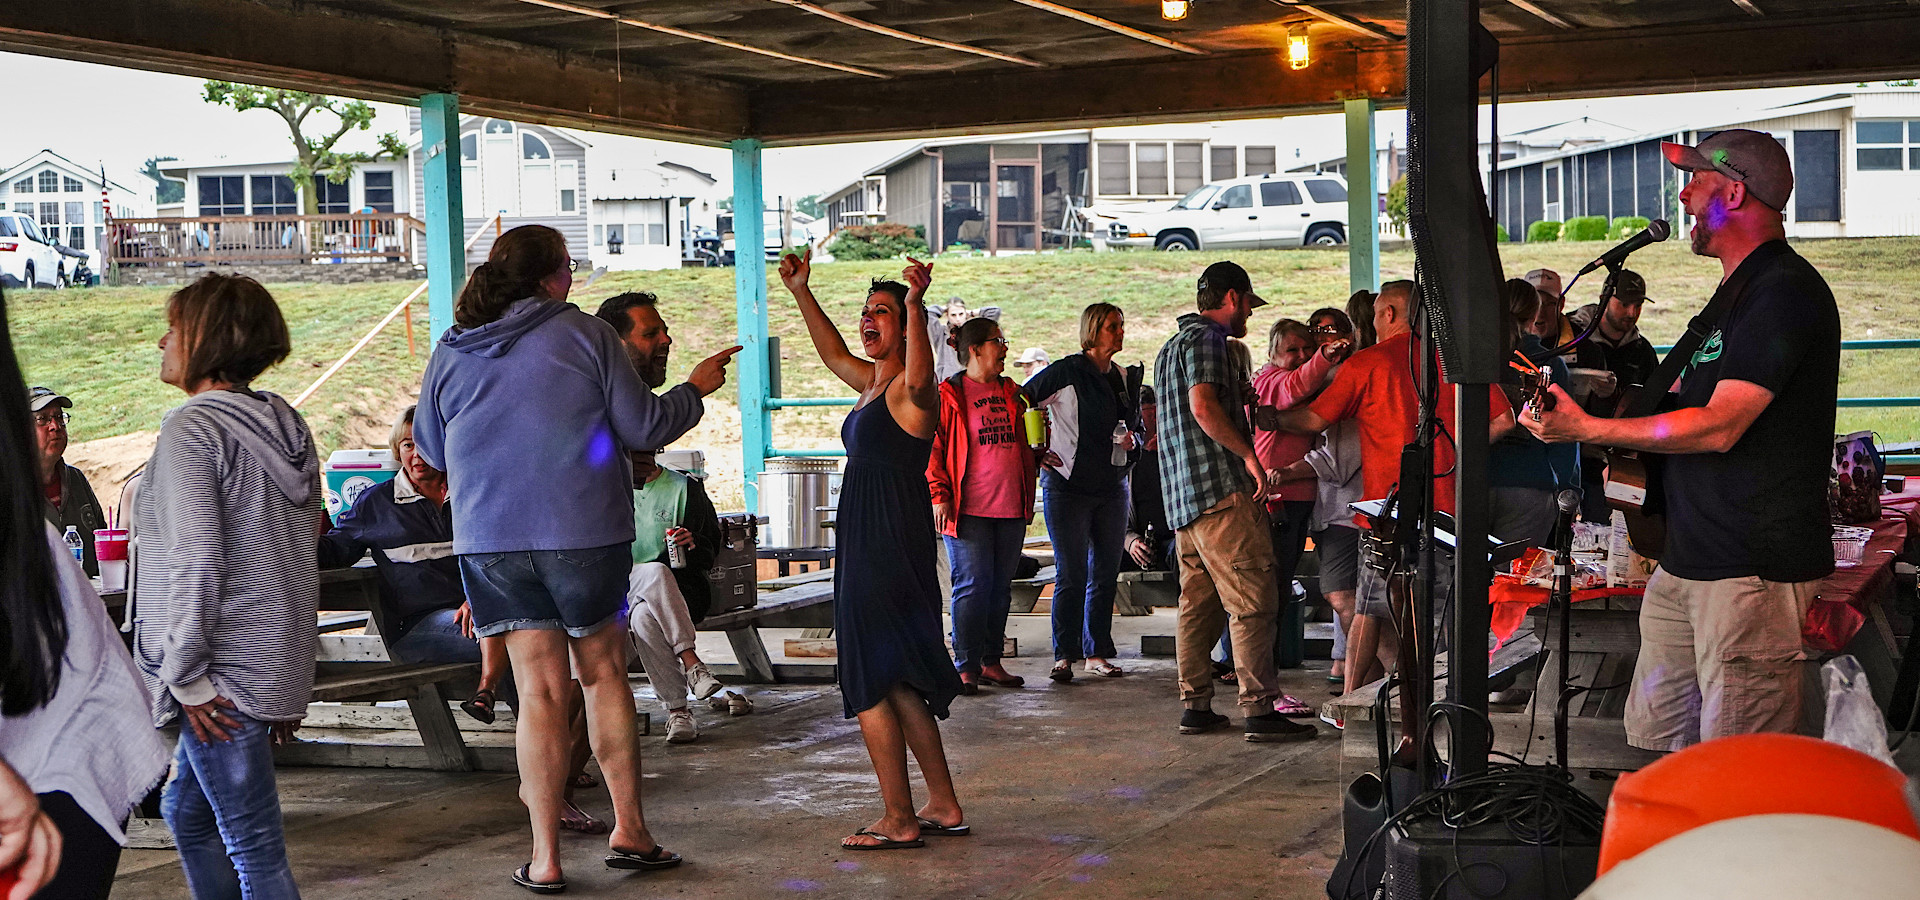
(1081, 790)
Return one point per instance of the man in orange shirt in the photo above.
(1376, 388)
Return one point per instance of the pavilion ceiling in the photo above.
(801, 71)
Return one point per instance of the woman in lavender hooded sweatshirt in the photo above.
(529, 404)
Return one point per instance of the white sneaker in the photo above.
(681, 729)
(701, 679)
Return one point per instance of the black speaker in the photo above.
(1455, 253)
(1427, 860)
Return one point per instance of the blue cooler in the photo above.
(349, 473)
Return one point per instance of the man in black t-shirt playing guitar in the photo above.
(1747, 445)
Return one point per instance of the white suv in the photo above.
(1281, 210)
(27, 256)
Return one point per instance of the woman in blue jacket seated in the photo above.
(408, 525)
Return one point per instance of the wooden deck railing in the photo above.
(229, 240)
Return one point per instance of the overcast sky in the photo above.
(119, 117)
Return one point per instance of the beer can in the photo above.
(676, 554)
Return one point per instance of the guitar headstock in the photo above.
(1534, 383)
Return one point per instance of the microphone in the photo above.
(1568, 503)
(1656, 231)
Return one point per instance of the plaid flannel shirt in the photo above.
(1196, 472)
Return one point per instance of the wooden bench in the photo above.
(1026, 591)
(1141, 591)
(806, 606)
(1357, 707)
(353, 668)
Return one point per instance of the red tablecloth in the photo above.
(1837, 614)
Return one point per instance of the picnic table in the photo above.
(1849, 614)
(360, 668)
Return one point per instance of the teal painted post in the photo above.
(750, 295)
(446, 222)
(1363, 200)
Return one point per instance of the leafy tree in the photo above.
(811, 205)
(1397, 205)
(315, 154)
(166, 190)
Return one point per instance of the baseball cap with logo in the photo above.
(1630, 286)
(1752, 158)
(1227, 276)
(39, 398)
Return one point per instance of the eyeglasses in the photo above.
(42, 420)
(1326, 329)
(999, 340)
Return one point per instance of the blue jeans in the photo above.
(983, 558)
(1088, 535)
(436, 638)
(224, 810)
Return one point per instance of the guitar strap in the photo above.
(1648, 401)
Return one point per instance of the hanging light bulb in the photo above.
(1298, 48)
(1174, 10)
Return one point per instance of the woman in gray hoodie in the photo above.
(225, 584)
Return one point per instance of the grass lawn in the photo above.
(98, 345)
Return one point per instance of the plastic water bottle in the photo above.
(76, 545)
(1119, 444)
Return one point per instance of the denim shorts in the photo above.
(580, 591)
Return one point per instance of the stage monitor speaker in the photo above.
(1455, 256)
(1427, 860)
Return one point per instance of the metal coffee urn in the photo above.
(798, 495)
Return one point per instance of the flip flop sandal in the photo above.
(522, 878)
(885, 843)
(582, 822)
(480, 707)
(1062, 672)
(657, 858)
(1291, 706)
(930, 827)
(1107, 670)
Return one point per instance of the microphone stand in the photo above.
(1562, 598)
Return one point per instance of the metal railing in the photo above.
(803, 402)
(1868, 402)
(229, 240)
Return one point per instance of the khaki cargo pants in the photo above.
(1227, 578)
(1717, 658)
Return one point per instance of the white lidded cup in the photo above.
(110, 548)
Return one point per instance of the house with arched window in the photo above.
(523, 174)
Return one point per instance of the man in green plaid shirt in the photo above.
(1211, 482)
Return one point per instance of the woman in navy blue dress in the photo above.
(895, 675)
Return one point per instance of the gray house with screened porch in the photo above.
(1856, 165)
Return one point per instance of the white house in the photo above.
(221, 188)
(65, 198)
(644, 209)
(1020, 192)
(602, 192)
(1856, 167)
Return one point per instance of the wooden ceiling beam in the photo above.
(1746, 6)
(309, 48)
(1358, 26)
(896, 33)
(1110, 25)
(592, 12)
(1586, 62)
(1545, 16)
